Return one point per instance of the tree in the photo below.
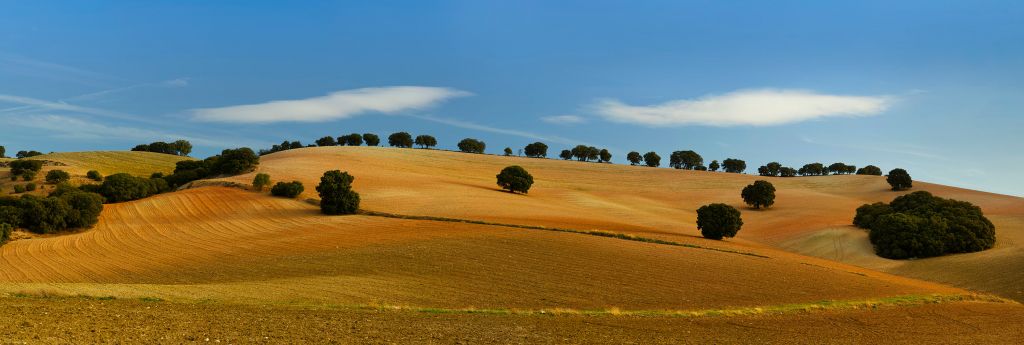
(652, 159)
(581, 153)
(426, 141)
(787, 172)
(634, 158)
(761, 193)
(837, 168)
(400, 139)
(470, 145)
(94, 175)
(287, 189)
(354, 139)
(919, 225)
(604, 156)
(773, 168)
(260, 181)
(716, 221)
(29, 187)
(813, 169)
(22, 166)
(515, 179)
(336, 195)
(508, 151)
(899, 179)
(850, 169)
(536, 150)
(124, 187)
(3, 152)
(700, 168)
(57, 176)
(370, 138)
(593, 153)
(326, 141)
(565, 154)
(685, 160)
(234, 161)
(732, 165)
(870, 170)
(867, 214)
(183, 147)
(763, 171)
(5, 231)
(714, 166)
(26, 154)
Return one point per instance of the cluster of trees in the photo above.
(425, 141)
(27, 154)
(124, 187)
(179, 147)
(228, 162)
(354, 139)
(584, 153)
(920, 225)
(870, 170)
(283, 146)
(515, 179)
(65, 208)
(400, 139)
(27, 169)
(470, 145)
(650, 159)
(688, 160)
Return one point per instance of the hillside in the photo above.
(655, 202)
(112, 162)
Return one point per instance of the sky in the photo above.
(930, 86)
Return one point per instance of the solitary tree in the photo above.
(260, 181)
(565, 154)
(761, 193)
(870, 170)
(733, 165)
(326, 141)
(899, 179)
(508, 151)
(400, 139)
(184, 147)
(634, 158)
(471, 145)
(714, 166)
(371, 139)
(426, 141)
(515, 179)
(652, 159)
(605, 156)
(336, 194)
(536, 150)
(716, 221)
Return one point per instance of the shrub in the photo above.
(234, 161)
(652, 159)
(260, 181)
(761, 193)
(371, 139)
(870, 170)
(919, 225)
(899, 179)
(72, 209)
(85, 208)
(287, 189)
(326, 141)
(336, 195)
(30, 187)
(28, 176)
(94, 175)
(124, 187)
(716, 221)
(732, 165)
(470, 145)
(634, 158)
(9, 212)
(426, 141)
(536, 150)
(18, 189)
(5, 232)
(565, 154)
(508, 151)
(400, 139)
(515, 179)
(22, 166)
(57, 176)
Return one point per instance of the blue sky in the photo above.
(931, 86)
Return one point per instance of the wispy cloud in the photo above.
(485, 128)
(337, 105)
(28, 104)
(762, 107)
(73, 128)
(564, 119)
(55, 71)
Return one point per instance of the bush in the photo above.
(234, 161)
(336, 195)
(515, 179)
(920, 225)
(18, 189)
(57, 176)
(716, 221)
(899, 179)
(870, 170)
(9, 212)
(761, 193)
(470, 145)
(426, 141)
(287, 189)
(371, 139)
(85, 208)
(652, 159)
(72, 209)
(22, 166)
(260, 181)
(5, 232)
(536, 150)
(94, 175)
(30, 187)
(28, 176)
(400, 139)
(124, 187)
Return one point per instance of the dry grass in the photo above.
(113, 162)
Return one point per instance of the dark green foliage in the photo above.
(233, 162)
(714, 166)
(370, 138)
(9, 212)
(400, 139)
(85, 208)
(326, 141)
(771, 169)
(30, 187)
(787, 172)
(515, 179)
(57, 176)
(3, 152)
(471, 145)
(70, 209)
(287, 189)
(94, 175)
(5, 230)
(22, 166)
(28, 176)
(18, 189)
(758, 194)
(634, 158)
(26, 154)
(536, 150)
(581, 153)
(685, 160)
(260, 181)
(426, 141)
(870, 170)
(508, 151)
(336, 195)
(284, 146)
(813, 169)
(353, 139)
(604, 156)
(716, 221)
(919, 225)
(850, 169)
(700, 168)
(732, 165)
(183, 147)
(652, 159)
(180, 147)
(565, 154)
(838, 168)
(124, 187)
(899, 179)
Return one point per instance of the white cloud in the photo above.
(563, 119)
(762, 107)
(479, 127)
(336, 105)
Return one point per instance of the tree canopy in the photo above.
(336, 194)
(870, 170)
(536, 150)
(400, 139)
(685, 160)
(515, 179)
(716, 221)
(732, 165)
(634, 158)
(920, 225)
(652, 159)
(759, 194)
(426, 141)
(470, 145)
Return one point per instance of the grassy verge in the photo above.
(600, 233)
